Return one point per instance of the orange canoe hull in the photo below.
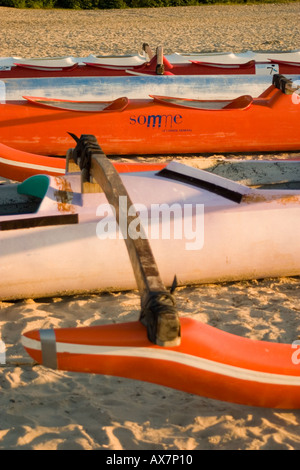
(209, 362)
(153, 126)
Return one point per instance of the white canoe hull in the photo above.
(111, 88)
(219, 240)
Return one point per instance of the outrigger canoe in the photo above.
(154, 67)
(94, 79)
(175, 58)
(209, 362)
(225, 222)
(159, 125)
(162, 347)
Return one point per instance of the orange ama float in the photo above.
(209, 362)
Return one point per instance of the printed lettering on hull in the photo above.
(163, 121)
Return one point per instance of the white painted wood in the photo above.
(257, 238)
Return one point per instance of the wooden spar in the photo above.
(158, 310)
(160, 68)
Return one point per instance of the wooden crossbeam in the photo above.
(158, 311)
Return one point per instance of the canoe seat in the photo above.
(36, 186)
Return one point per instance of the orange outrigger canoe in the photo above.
(158, 125)
(209, 362)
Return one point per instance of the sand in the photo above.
(206, 28)
(44, 409)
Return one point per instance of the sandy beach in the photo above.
(42, 409)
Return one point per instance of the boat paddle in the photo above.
(158, 310)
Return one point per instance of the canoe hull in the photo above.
(174, 58)
(156, 66)
(154, 127)
(211, 240)
(209, 362)
(51, 265)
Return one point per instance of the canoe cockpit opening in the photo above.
(242, 102)
(81, 106)
(23, 198)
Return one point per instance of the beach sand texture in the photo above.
(45, 409)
